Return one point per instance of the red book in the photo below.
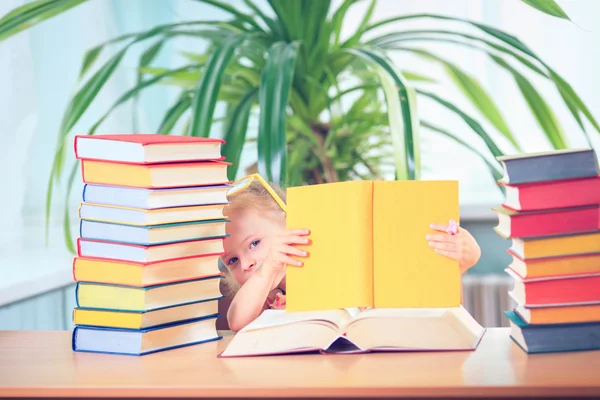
(147, 148)
(524, 224)
(551, 195)
(580, 289)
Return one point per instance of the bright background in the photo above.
(39, 68)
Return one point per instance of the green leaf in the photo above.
(414, 76)
(574, 103)
(88, 59)
(134, 91)
(542, 112)
(402, 114)
(66, 221)
(491, 145)
(549, 7)
(273, 96)
(145, 59)
(175, 112)
(299, 152)
(494, 168)
(338, 19)
(207, 91)
(235, 133)
(274, 25)
(386, 41)
(232, 10)
(31, 14)
(475, 93)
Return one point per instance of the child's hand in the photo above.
(282, 250)
(461, 246)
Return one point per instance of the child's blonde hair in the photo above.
(256, 197)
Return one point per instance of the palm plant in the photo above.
(289, 58)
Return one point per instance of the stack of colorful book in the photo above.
(551, 213)
(151, 233)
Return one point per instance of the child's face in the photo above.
(251, 233)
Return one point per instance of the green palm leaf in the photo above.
(476, 126)
(494, 168)
(401, 113)
(273, 96)
(542, 112)
(207, 91)
(31, 14)
(175, 112)
(235, 132)
(549, 7)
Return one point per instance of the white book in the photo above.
(131, 197)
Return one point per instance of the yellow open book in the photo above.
(368, 245)
(352, 331)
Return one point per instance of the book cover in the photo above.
(147, 148)
(549, 166)
(368, 245)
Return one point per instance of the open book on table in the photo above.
(354, 331)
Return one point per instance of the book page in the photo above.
(407, 272)
(338, 271)
(272, 318)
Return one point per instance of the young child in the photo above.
(259, 247)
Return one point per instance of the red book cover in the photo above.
(147, 148)
(576, 289)
(524, 224)
(552, 195)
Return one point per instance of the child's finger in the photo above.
(298, 232)
(440, 238)
(289, 260)
(439, 227)
(296, 240)
(443, 245)
(446, 253)
(291, 250)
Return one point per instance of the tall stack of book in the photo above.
(551, 213)
(151, 233)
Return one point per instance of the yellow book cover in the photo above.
(368, 246)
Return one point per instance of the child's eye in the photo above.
(232, 261)
(254, 244)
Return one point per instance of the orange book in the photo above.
(555, 266)
(154, 176)
(562, 314)
(540, 247)
(368, 246)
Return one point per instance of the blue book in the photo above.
(549, 166)
(155, 198)
(137, 342)
(152, 235)
(550, 338)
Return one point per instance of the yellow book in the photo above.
(540, 247)
(145, 319)
(119, 272)
(556, 266)
(563, 314)
(150, 176)
(131, 298)
(368, 246)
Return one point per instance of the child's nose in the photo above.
(248, 265)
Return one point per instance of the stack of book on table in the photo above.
(151, 232)
(552, 215)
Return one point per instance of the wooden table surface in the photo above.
(42, 364)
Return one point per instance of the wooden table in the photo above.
(41, 364)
